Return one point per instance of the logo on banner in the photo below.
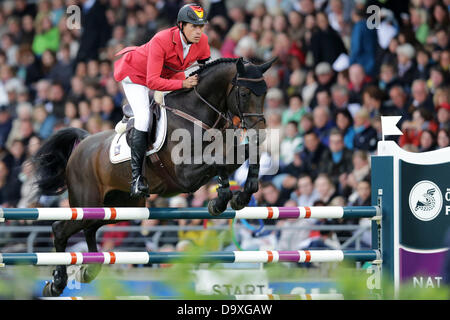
(425, 200)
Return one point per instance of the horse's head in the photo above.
(234, 92)
(246, 98)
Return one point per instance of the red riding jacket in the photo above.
(159, 64)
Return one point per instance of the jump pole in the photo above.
(139, 213)
(78, 258)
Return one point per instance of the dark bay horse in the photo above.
(230, 93)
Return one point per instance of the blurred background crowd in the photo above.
(339, 68)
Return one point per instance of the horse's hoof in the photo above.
(87, 274)
(213, 208)
(49, 290)
(237, 203)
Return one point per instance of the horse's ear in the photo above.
(240, 66)
(265, 66)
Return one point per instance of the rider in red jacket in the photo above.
(159, 65)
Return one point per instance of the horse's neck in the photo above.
(212, 89)
(214, 93)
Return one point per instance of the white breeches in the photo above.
(138, 98)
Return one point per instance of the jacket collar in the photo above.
(177, 41)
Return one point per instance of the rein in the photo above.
(175, 70)
(222, 115)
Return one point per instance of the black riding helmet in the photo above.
(191, 13)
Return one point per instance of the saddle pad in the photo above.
(120, 151)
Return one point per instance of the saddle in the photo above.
(128, 122)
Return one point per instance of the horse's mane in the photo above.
(207, 66)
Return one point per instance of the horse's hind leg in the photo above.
(62, 230)
(113, 199)
(89, 272)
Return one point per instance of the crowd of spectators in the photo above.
(339, 69)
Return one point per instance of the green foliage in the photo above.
(355, 284)
(108, 286)
(15, 282)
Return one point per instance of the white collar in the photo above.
(185, 45)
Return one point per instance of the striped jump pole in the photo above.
(79, 258)
(186, 213)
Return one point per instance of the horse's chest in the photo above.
(193, 177)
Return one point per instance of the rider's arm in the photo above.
(155, 62)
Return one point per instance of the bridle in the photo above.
(244, 115)
(229, 117)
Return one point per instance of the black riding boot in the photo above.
(139, 186)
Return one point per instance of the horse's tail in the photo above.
(50, 160)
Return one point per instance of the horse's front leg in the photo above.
(242, 198)
(218, 205)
